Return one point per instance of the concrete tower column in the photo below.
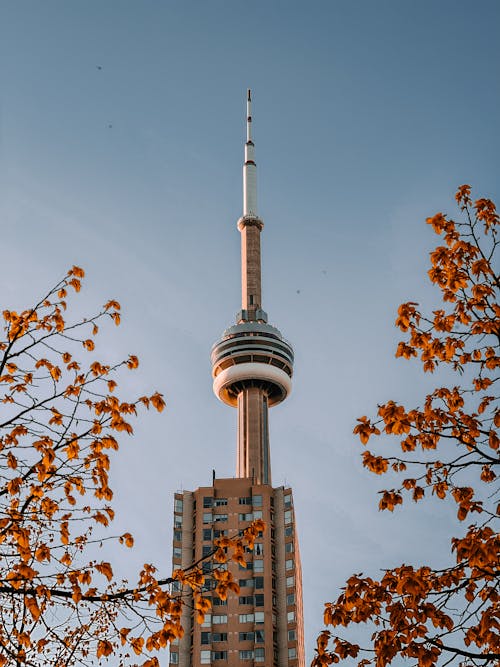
(253, 456)
(251, 291)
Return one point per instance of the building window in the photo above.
(259, 636)
(207, 517)
(259, 582)
(220, 502)
(207, 501)
(245, 517)
(206, 549)
(246, 636)
(207, 534)
(292, 653)
(246, 655)
(259, 618)
(289, 564)
(290, 599)
(220, 533)
(288, 502)
(245, 501)
(247, 618)
(219, 637)
(178, 505)
(259, 655)
(177, 522)
(290, 581)
(258, 549)
(217, 602)
(245, 599)
(258, 566)
(288, 516)
(174, 658)
(205, 638)
(259, 600)
(257, 514)
(289, 547)
(219, 655)
(290, 617)
(249, 566)
(207, 622)
(245, 583)
(220, 517)
(257, 501)
(219, 618)
(177, 552)
(208, 585)
(289, 531)
(178, 535)
(205, 657)
(292, 635)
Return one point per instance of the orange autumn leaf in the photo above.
(104, 648)
(157, 401)
(133, 361)
(137, 644)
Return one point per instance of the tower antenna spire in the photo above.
(249, 167)
(249, 115)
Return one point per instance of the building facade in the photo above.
(252, 366)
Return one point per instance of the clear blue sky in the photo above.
(122, 129)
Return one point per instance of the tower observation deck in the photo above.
(252, 364)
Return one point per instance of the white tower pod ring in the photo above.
(250, 371)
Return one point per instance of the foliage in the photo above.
(450, 450)
(60, 419)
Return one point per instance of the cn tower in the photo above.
(252, 364)
(252, 369)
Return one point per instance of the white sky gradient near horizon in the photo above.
(122, 133)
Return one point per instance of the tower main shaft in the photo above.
(252, 364)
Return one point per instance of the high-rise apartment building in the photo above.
(252, 368)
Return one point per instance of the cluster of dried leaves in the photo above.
(60, 419)
(450, 449)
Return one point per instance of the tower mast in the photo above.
(252, 364)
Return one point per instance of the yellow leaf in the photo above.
(157, 401)
(76, 271)
(133, 361)
(105, 569)
(104, 648)
(32, 607)
(137, 643)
